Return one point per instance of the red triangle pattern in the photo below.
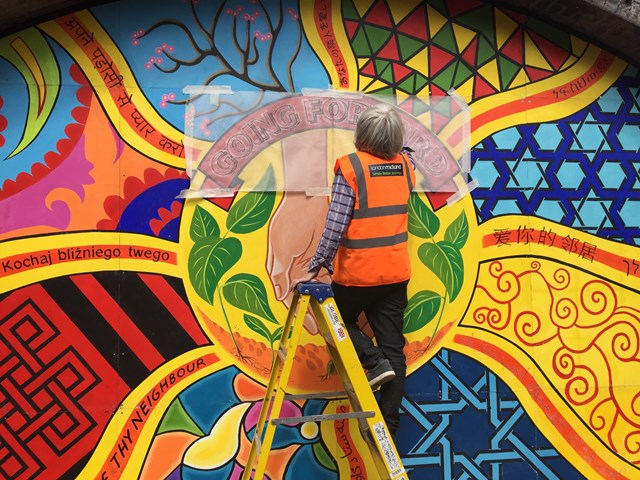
(518, 17)
(223, 202)
(407, 105)
(462, 6)
(352, 28)
(513, 49)
(482, 88)
(552, 52)
(436, 91)
(400, 72)
(470, 53)
(390, 50)
(536, 74)
(438, 199)
(415, 24)
(379, 15)
(438, 121)
(368, 69)
(438, 59)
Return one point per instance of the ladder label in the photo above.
(334, 318)
(389, 455)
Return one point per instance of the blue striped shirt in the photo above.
(343, 198)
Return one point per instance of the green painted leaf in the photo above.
(276, 335)
(247, 292)
(209, 259)
(458, 232)
(423, 222)
(42, 78)
(203, 225)
(445, 260)
(252, 211)
(257, 326)
(421, 309)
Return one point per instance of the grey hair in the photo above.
(380, 131)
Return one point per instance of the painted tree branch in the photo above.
(248, 53)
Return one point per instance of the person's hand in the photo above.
(294, 231)
(305, 278)
(297, 224)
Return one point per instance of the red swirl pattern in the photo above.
(581, 332)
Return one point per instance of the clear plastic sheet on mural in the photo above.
(273, 141)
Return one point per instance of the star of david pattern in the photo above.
(582, 171)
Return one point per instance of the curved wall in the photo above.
(138, 327)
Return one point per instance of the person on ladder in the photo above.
(364, 247)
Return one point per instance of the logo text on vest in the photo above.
(385, 170)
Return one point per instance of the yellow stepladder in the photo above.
(363, 402)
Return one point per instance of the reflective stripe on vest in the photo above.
(364, 211)
(376, 242)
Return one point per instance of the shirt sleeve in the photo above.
(409, 152)
(340, 212)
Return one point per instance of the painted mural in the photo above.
(139, 324)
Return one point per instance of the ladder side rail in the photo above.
(274, 396)
(350, 369)
(256, 444)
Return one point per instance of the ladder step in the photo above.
(319, 396)
(364, 408)
(321, 418)
(282, 353)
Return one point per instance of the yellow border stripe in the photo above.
(31, 260)
(308, 12)
(115, 431)
(105, 42)
(563, 104)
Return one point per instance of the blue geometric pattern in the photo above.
(582, 171)
(471, 426)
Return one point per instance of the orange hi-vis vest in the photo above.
(374, 248)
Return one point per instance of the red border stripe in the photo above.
(545, 404)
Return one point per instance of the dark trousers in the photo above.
(384, 307)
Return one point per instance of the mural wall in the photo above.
(138, 326)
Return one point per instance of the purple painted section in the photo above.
(289, 409)
(73, 174)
